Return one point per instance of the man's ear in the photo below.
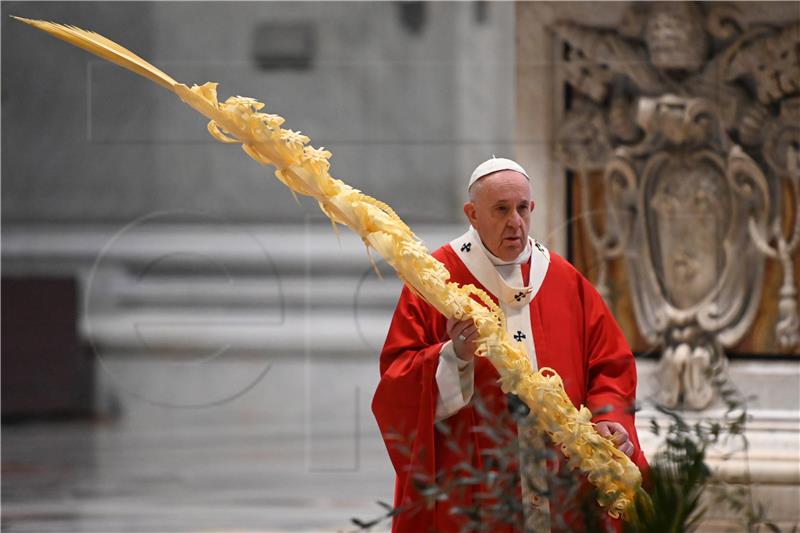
(469, 210)
(533, 205)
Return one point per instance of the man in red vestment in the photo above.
(440, 409)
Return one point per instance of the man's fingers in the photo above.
(620, 434)
(627, 448)
(470, 332)
(452, 324)
(463, 332)
(456, 328)
(617, 434)
(456, 325)
(470, 342)
(603, 430)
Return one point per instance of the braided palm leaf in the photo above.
(305, 170)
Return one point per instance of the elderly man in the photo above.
(436, 403)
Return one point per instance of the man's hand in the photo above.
(617, 434)
(463, 334)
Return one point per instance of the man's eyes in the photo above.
(522, 208)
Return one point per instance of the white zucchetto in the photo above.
(493, 165)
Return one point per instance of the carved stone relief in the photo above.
(692, 117)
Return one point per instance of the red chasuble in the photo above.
(574, 334)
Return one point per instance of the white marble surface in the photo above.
(279, 458)
(297, 451)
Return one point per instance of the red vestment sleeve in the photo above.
(405, 403)
(575, 334)
(611, 372)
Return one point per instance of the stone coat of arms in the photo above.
(692, 118)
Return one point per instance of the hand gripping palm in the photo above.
(304, 169)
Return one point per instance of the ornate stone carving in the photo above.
(694, 120)
(695, 271)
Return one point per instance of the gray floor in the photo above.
(297, 452)
(266, 444)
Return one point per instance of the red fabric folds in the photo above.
(574, 333)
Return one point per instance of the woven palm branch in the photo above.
(305, 170)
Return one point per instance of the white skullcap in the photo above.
(493, 165)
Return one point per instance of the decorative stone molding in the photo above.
(692, 118)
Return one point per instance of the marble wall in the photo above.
(407, 108)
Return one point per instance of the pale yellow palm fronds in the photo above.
(105, 48)
(305, 170)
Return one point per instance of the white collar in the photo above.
(473, 254)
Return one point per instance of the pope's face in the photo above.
(500, 210)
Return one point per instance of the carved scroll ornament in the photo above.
(693, 119)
